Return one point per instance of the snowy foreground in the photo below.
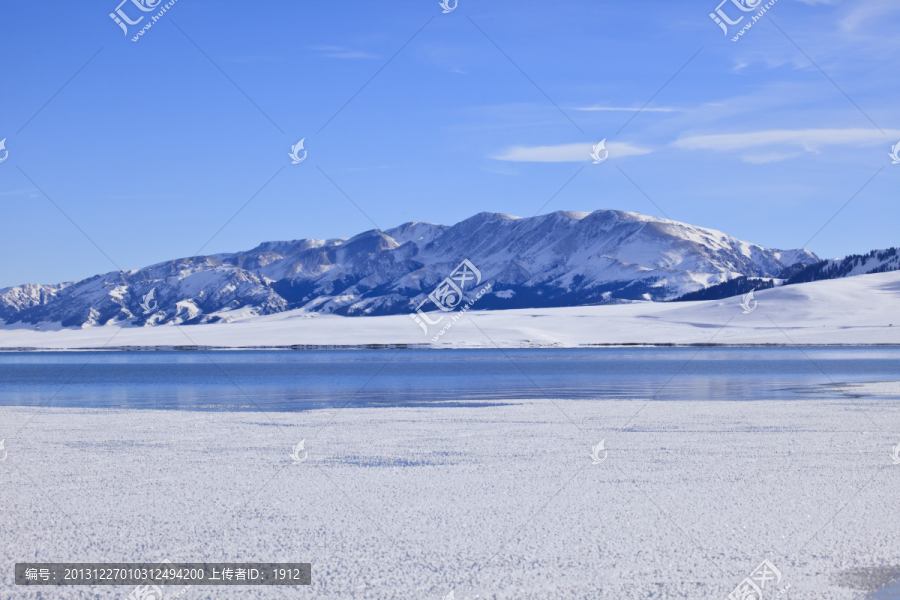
(857, 310)
(497, 502)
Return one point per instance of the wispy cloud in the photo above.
(566, 152)
(761, 159)
(811, 140)
(625, 109)
(866, 11)
(28, 193)
(250, 59)
(342, 52)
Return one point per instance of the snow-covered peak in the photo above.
(420, 234)
(560, 258)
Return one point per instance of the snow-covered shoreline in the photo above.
(858, 310)
(494, 501)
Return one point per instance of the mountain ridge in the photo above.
(564, 258)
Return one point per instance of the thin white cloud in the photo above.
(351, 54)
(566, 152)
(29, 193)
(811, 140)
(625, 109)
(341, 52)
(255, 59)
(866, 11)
(761, 159)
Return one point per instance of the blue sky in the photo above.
(151, 148)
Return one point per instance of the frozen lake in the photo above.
(427, 471)
(296, 380)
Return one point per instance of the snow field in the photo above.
(494, 502)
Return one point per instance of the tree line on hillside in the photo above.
(827, 269)
(733, 287)
(887, 260)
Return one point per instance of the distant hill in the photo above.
(558, 259)
(876, 261)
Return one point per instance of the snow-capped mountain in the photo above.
(558, 259)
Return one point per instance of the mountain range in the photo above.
(558, 259)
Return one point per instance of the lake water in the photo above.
(297, 380)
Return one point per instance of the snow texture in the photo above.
(498, 501)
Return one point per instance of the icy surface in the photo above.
(494, 501)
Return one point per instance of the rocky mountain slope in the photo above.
(558, 259)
